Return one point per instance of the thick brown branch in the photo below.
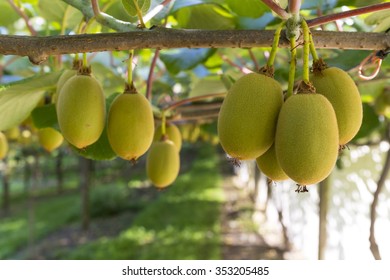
(39, 48)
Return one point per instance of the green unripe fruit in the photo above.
(269, 165)
(339, 88)
(248, 116)
(194, 133)
(173, 133)
(380, 105)
(49, 138)
(130, 126)
(3, 145)
(163, 163)
(185, 130)
(65, 76)
(81, 110)
(12, 133)
(307, 139)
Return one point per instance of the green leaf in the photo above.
(205, 16)
(101, 149)
(131, 8)
(18, 99)
(45, 116)
(61, 13)
(177, 60)
(247, 8)
(208, 85)
(8, 15)
(370, 122)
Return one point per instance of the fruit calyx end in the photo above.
(301, 189)
(306, 88)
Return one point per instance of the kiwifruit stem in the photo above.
(312, 48)
(163, 123)
(306, 52)
(275, 45)
(291, 74)
(130, 68)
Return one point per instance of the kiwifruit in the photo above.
(163, 163)
(12, 133)
(130, 125)
(49, 138)
(185, 130)
(173, 133)
(269, 165)
(380, 104)
(307, 140)
(248, 116)
(81, 110)
(3, 145)
(340, 89)
(65, 76)
(194, 133)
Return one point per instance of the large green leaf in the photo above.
(8, 15)
(17, 100)
(184, 59)
(61, 13)
(208, 85)
(45, 116)
(247, 8)
(370, 123)
(205, 16)
(131, 7)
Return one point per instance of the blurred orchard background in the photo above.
(71, 204)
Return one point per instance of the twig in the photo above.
(24, 16)
(242, 69)
(149, 82)
(276, 8)
(381, 182)
(347, 14)
(193, 99)
(254, 59)
(294, 6)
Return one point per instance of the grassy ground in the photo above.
(183, 222)
(48, 216)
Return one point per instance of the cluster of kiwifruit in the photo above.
(80, 105)
(297, 138)
(25, 133)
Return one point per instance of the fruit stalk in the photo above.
(275, 45)
(163, 124)
(130, 68)
(306, 52)
(291, 74)
(313, 49)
